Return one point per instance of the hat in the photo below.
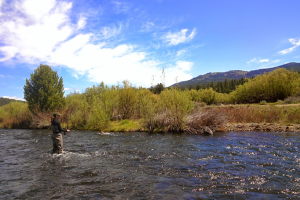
(56, 114)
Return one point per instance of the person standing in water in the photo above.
(57, 138)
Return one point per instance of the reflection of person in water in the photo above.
(57, 134)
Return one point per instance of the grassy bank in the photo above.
(246, 117)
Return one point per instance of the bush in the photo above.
(15, 115)
(173, 108)
(76, 111)
(97, 118)
(127, 102)
(208, 96)
(272, 86)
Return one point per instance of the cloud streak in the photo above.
(295, 44)
(43, 32)
(182, 36)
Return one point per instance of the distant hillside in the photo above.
(4, 101)
(233, 74)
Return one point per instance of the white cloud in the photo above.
(179, 37)
(1, 3)
(263, 62)
(15, 98)
(71, 90)
(259, 60)
(81, 22)
(43, 33)
(295, 44)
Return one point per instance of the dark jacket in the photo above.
(56, 128)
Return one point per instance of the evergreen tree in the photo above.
(44, 91)
(157, 89)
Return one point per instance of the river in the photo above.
(230, 165)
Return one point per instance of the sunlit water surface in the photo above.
(142, 166)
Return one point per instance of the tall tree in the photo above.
(44, 91)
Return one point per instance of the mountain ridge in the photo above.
(233, 74)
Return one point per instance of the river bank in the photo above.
(225, 118)
(262, 127)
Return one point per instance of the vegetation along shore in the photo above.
(267, 102)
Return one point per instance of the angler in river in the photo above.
(57, 138)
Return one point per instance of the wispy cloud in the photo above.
(259, 60)
(295, 44)
(147, 26)
(121, 6)
(263, 62)
(110, 31)
(182, 36)
(43, 32)
(181, 52)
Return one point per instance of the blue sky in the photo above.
(142, 41)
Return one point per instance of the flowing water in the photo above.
(142, 166)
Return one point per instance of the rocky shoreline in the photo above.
(262, 127)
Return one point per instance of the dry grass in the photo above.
(201, 119)
(259, 113)
(165, 122)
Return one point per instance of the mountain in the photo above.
(4, 101)
(233, 74)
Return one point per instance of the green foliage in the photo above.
(273, 86)
(105, 97)
(223, 98)
(127, 101)
(157, 89)
(124, 125)
(44, 90)
(175, 105)
(97, 118)
(15, 115)
(208, 96)
(4, 101)
(76, 111)
(226, 86)
(296, 86)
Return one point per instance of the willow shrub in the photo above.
(174, 105)
(76, 111)
(147, 109)
(127, 102)
(209, 96)
(15, 115)
(272, 86)
(104, 96)
(97, 118)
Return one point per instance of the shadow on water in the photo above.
(144, 166)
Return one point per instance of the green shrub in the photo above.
(175, 106)
(97, 118)
(272, 86)
(76, 111)
(15, 115)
